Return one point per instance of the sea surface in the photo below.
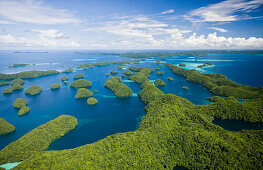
(111, 115)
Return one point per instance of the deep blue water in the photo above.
(111, 114)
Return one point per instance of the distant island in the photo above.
(18, 65)
(30, 52)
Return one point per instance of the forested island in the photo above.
(27, 74)
(120, 90)
(5, 127)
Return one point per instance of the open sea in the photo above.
(111, 115)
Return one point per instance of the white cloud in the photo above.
(169, 11)
(51, 34)
(6, 22)
(35, 12)
(218, 29)
(43, 40)
(224, 11)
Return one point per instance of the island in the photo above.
(123, 75)
(157, 69)
(114, 72)
(182, 64)
(4, 83)
(128, 72)
(107, 74)
(28, 74)
(141, 75)
(19, 103)
(158, 61)
(95, 91)
(78, 76)
(204, 65)
(7, 91)
(18, 81)
(18, 65)
(33, 90)
(120, 90)
(92, 101)
(6, 127)
(55, 86)
(119, 66)
(23, 110)
(82, 93)
(170, 79)
(16, 87)
(38, 139)
(68, 70)
(159, 73)
(64, 78)
(185, 88)
(80, 83)
(159, 82)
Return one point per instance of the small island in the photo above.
(82, 93)
(28, 74)
(80, 83)
(114, 72)
(18, 65)
(6, 127)
(55, 86)
(159, 82)
(170, 79)
(119, 66)
(159, 73)
(182, 64)
(7, 91)
(158, 61)
(19, 103)
(64, 78)
(16, 87)
(33, 90)
(18, 81)
(120, 90)
(157, 69)
(68, 70)
(128, 72)
(4, 83)
(185, 87)
(107, 74)
(92, 101)
(78, 76)
(23, 110)
(123, 75)
(95, 91)
(205, 64)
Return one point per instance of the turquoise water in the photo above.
(111, 115)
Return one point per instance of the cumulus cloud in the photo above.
(151, 34)
(224, 11)
(35, 12)
(50, 34)
(43, 40)
(169, 11)
(218, 29)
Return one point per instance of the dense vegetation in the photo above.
(204, 65)
(219, 84)
(120, 90)
(80, 83)
(182, 65)
(119, 66)
(28, 74)
(158, 61)
(159, 82)
(38, 139)
(159, 73)
(196, 53)
(55, 86)
(18, 81)
(68, 70)
(173, 133)
(114, 72)
(16, 87)
(95, 91)
(19, 65)
(90, 65)
(33, 90)
(82, 92)
(19, 102)
(170, 79)
(5, 127)
(23, 110)
(92, 101)
(185, 87)
(7, 91)
(141, 74)
(64, 78)
(78, 76)
(128, 72)
(4, 83)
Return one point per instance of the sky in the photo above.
(131, 24)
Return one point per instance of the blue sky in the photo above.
(131, 24)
